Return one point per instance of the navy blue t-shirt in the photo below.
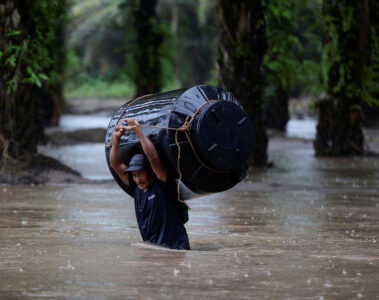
(157, 212)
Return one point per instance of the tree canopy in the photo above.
(266, 51)
(31, 64)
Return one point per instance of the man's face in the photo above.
(142, 178)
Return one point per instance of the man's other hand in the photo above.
(133, 124)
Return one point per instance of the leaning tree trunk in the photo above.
(19, 130)
(27, 41)
(148, 76)
(242, 46)
(339, 130)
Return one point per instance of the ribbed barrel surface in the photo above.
(216, 150)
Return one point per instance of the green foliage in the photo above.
(90, 20)
(99, 87)
(147, 55)
(213, 79)
(349, 70)
(370, 86)
(74, 66)
(31, 50)
(15, 32)
(81, 84)
(292, 59)
(96, 46)
(30, 71)
(164, 55)
(174, 84)
(196, 31)
(103, 37)
(280, 61)
(102, 47)
(167, 54)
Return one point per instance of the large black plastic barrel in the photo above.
(216, 155)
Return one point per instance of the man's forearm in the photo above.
(115, 155)
(148, 147)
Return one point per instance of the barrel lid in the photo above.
(224, 135)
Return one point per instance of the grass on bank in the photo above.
(99, 88)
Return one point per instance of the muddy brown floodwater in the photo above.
(305, 229)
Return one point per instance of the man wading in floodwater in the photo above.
(158, 211)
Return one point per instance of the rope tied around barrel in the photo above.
(185, 129)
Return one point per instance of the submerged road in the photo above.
(305, 229)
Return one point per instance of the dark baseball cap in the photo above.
(136, 162)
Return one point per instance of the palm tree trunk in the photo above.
(25, 89)
(242, 46)
(149, 39)
(339, 130)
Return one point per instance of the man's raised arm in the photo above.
(148, 147)
(115, 155)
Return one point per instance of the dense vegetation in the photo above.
(104, 46)
(349, 72)
(263, 51)
(31, 67)
(243, 44)
(292, 59)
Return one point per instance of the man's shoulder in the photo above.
(169, 179)
(169, 184)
